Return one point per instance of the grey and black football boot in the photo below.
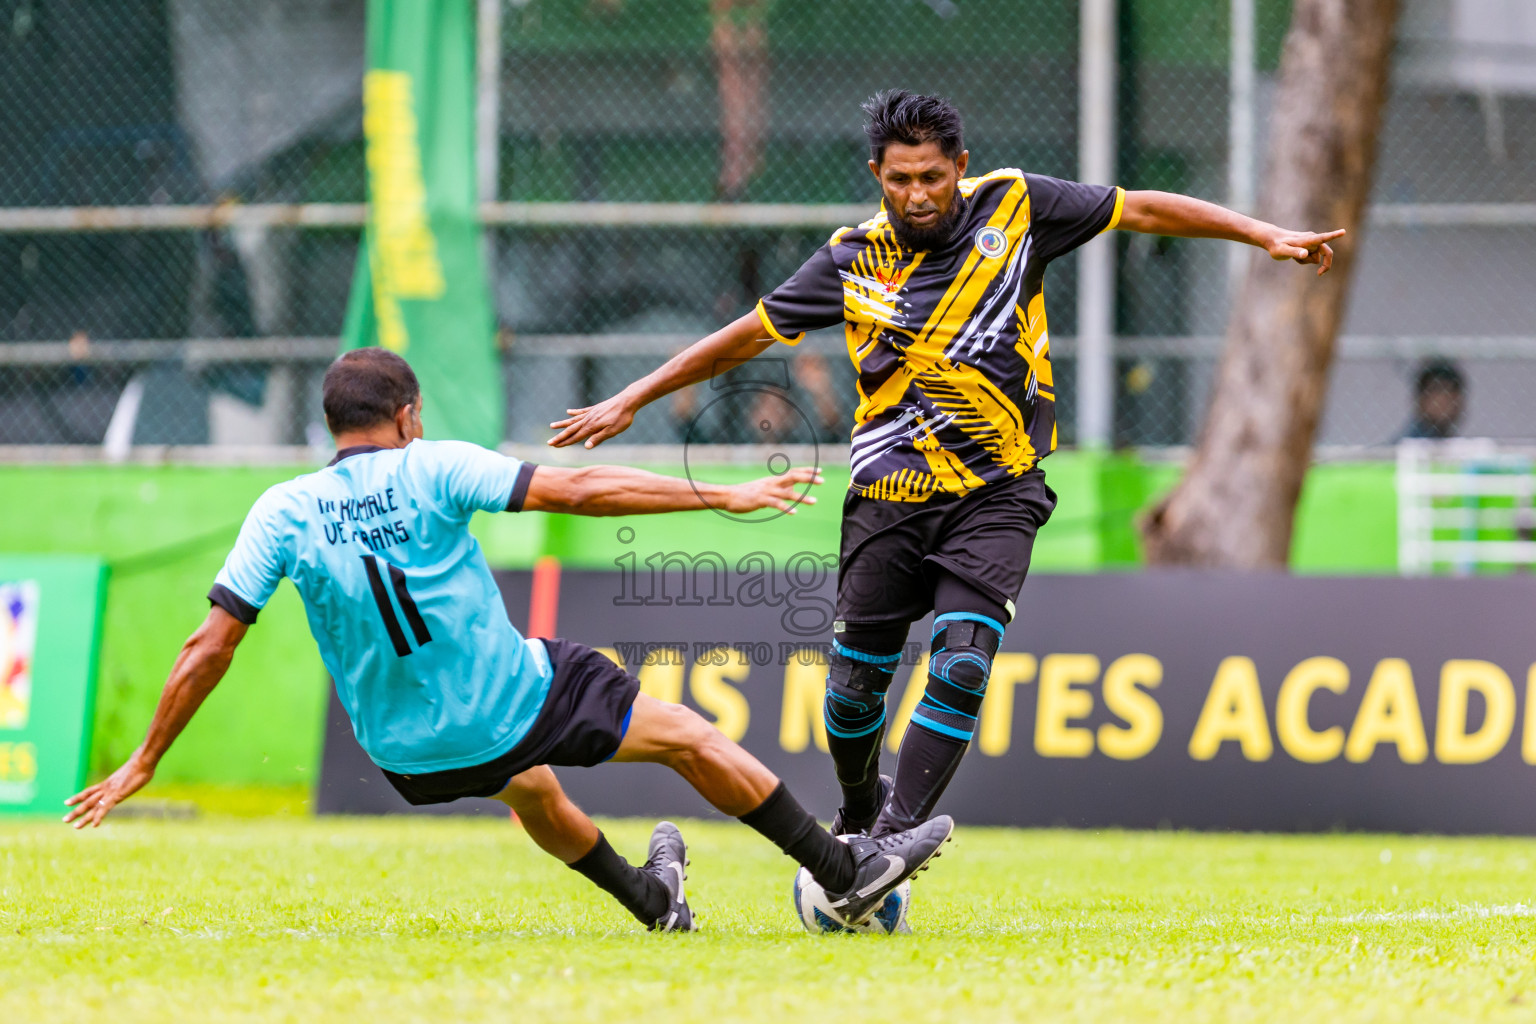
(843, 825)
(667, 860)
(881, 864)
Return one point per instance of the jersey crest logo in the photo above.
(991, 242)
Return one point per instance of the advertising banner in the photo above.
(1156, 699)
(50, 633)
(420, 285)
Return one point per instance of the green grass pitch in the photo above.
(371, 921)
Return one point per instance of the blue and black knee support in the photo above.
(857, 682)
(964, 644)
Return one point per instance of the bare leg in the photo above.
(736, 783)
(727, 776)
(558, 826)
(561, 829)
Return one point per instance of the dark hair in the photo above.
(1440, 371)
(365, 387)
(897, 115)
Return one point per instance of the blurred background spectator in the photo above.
(1439, 400)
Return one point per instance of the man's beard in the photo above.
(935, 236)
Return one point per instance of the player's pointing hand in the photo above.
(1305, 247)
(783, 492)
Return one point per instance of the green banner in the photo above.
(50, 634)
(420, 285)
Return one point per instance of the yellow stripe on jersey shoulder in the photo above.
(874, 223)
(969, 185)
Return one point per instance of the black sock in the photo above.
(856, 760)
(923, 769)
(640, 891)
(791, 828)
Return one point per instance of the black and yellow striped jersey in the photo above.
(950, 345)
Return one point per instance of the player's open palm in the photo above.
(1305, 247)
(783, 492)
(594, 424)
(91, 804)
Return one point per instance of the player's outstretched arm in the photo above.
(621, 491)
(1164, 213)
(202, 663)
(734, 343)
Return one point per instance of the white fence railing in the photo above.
(53, 219)
(1465, 504)
(201, 351)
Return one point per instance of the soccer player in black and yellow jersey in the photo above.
(941, 298)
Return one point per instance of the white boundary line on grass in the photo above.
(1472, 911)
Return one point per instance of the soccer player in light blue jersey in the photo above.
(445, 696)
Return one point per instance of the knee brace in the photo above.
(856, 686)
(964, 644)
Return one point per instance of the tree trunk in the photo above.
(739, 39)
(1235, 506)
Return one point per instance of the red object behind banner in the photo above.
(544, 601)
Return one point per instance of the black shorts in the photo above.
(893, 551)
(583, 720)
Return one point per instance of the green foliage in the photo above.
(428, 919)
(882, 28)
(1197, 33)
(562, 26)
(1181, 32)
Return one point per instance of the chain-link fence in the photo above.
(180, 180)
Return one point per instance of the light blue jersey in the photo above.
(409, 620)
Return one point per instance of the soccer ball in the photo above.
(819, 918)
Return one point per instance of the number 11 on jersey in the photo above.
(397, 637)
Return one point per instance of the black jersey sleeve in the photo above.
(1065, 214)
(811, 299)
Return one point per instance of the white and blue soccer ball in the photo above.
(820, 918)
